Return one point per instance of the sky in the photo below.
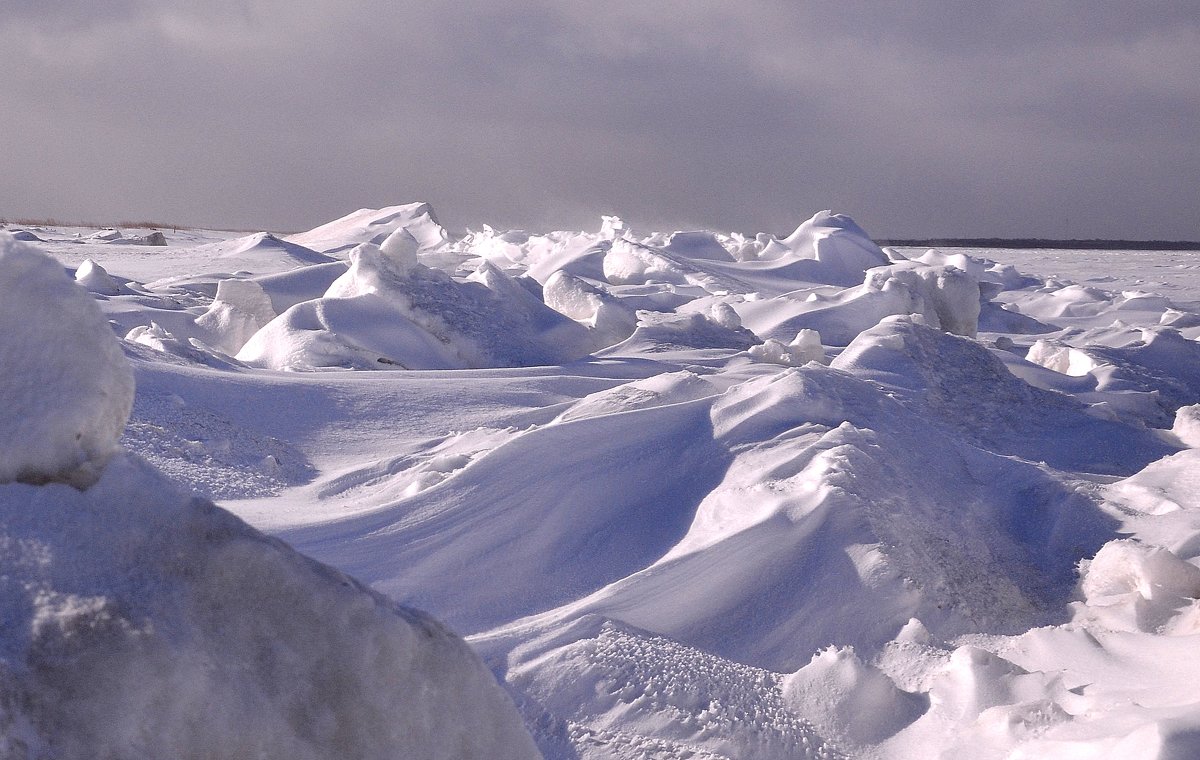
(1051, 118)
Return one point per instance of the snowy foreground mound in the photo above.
(689, 494)
(141, 622)
(66, 390)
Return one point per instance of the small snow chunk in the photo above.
(401, 249)
(240, 309)
(849, 699)
(66, 389)
(612, 227)
(95, 279)
(1187, 425)
(724, 315)
(805, 348)
(1133, 586)
(914, 632)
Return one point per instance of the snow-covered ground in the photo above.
(688, 495)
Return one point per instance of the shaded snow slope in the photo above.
(141, 622)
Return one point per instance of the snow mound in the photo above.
(804, 348)
(144, 623)
(609, 320)
(1131, 586)
(25, 236)
(964, 387)
(1156, 364)
(840, 249)
(389, 310)
(286, 289)
(1187, 425)
(945, 298)
(66, 389)
(240, 309)
(374, 226)
(95, 279)
(189, 350)
(698, 244)
(623, 689)
(261, 253)
(848, 699)
(659, 333)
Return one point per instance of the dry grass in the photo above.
(52, 222)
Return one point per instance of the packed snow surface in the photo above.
(689, 494)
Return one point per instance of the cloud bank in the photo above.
(1036, 119)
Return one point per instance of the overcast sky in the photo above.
(1052, 118)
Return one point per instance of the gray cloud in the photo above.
(923, 118)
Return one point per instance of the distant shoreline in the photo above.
(1093, 245)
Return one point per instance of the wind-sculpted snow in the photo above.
(374, 226)
(698, 494)
(388, 309)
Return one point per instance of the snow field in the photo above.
(698, 494)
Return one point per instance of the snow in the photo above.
(374, 226)
(143, 622)
(66, 390)
(239, 309)
(689, 494)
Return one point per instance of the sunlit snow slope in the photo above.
(707, 495)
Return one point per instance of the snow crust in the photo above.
(696, 494)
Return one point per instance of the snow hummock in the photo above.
(849, 699)
(374, 226)
(66, 389)
(836, 243)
